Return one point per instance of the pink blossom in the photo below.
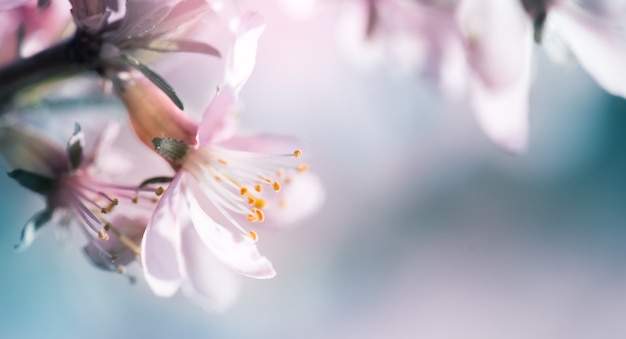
(73, 183)
(224, 186)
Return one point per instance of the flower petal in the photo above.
(599, 47)
(208, 281)
(236, 250)
(502, 111)
(495, 31)
(28, 149)
(243, 55)
(8, 4)
(262, 143)
(219, 120)
(160, 247)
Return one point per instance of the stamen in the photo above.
(251, 217)
(121, 269)
(297, 153)
(303, 168)
(276, 186)
(243, 191)
(222, 161)
(253, 236)
(114, 257)
(251, 200)
(258, 188)
(259, 214)
(280, 173)
(102, 234)
(159, 191)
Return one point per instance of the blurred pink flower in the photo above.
(26, 29)
(71, 182)
(486, 47)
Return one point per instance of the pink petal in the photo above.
(262, 143)
(494, 31)
(502, 111)
(9, 4)
(160, 246)
(243, 55)
(599, 47)
(218, 122)
(208, 281)
(236, 250)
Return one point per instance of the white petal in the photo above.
(502, 111)
(599, 47)
(494, 31)
(236, 250)
(160, 247)
(207, 281)
(219, 120)
(243, 54)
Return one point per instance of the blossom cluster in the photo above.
(192, 228)
(195, 227)
(485, 48)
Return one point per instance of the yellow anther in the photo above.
(276, 186)
(159, 191)
(253, 236)
(280, 173)
(260, 203)
(103, 235)
(297, 153)
(243, 191)
(218, 179)
(251, 217)
(251, 200)
(259, 214)
(222, 161)
(303, 168)
(258, 188)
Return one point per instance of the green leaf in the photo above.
(182, 45)
(75, 147)
(33, 181)
(155, 78)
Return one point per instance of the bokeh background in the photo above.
(428, 230)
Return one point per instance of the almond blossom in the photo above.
(225, 186)
(74, 187)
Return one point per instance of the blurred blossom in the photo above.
(486, 47)
(73, 184)
(26, 28)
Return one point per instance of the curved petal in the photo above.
(160, 247)
(502, 111)
(235, 250)
(600, 48)
(207, 280)
(219, 119)
(243, 54)
(262, 143)
(495, 32)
